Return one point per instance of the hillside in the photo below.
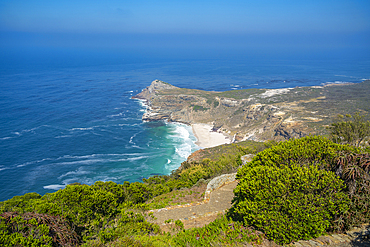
(303, 192)
(257, 114)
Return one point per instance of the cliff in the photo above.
(257, 114)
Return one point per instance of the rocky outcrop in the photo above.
(257, 114)
(149, 92)
(217, 182)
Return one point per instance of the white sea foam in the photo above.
(82, 162)
(120, 170)
(143, 103)
(95, 127)
(184, 150)
(30, 130)
(6, 138)
(182, 132)
(134, 146)
(94, 160)
(131, 139)
(86, 158)
(183, 139)
(130, 159)
(89, 128)
(116, 115)
(97, 134)
(121, 125)
(55, 186)
(82, 180)
(34, 162)
(78, 172)
(63, 136)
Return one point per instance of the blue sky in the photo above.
(263, 24)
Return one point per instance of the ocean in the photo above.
(66, 120)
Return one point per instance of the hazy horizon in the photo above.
(186, 29)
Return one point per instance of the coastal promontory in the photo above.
(257, 114)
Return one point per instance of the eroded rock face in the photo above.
(256, 114)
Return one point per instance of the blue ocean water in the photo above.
(76, 122)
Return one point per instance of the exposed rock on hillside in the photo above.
(257, 114)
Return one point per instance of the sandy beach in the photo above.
(207, 138)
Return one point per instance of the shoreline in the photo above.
(207, 138)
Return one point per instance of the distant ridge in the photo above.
(257, 114)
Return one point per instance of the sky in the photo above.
(263, 25)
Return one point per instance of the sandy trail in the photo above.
(199, 215)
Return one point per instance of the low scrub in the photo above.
(31, 229)
(221, 232)
(278, 179)
(96, 211)
(289, 203)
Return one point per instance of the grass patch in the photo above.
(199, 108)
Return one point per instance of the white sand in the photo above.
(208, 138)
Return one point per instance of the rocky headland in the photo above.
(257, 114)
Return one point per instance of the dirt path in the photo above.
(198, 215)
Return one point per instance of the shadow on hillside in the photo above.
(363, 239)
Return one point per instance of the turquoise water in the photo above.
(76, 122)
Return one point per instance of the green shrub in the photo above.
(32, 229)
(354, 130)
(221, 232)
(80, 204)
(306, 150)
(199, 108)
(289, 203)
(125, 225)
(351, 164)
(179, 224)
(19, 204)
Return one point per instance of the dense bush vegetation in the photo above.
(102, 212)
(32, 229)
(289, 203)
(312, 160)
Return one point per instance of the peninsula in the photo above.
(255, 114)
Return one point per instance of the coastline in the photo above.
(207, 138)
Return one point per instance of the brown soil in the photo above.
(183, 196)
(197, 215)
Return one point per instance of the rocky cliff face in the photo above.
(257, 114)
